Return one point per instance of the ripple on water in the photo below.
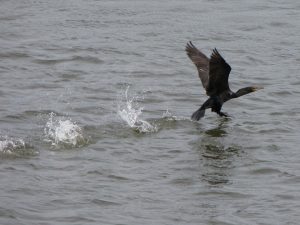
(14, 55)
(101, 202)
(265, 170)
(225, 194)
(79, 58)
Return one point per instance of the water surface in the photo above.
(96, 98)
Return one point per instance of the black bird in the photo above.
(214, 73)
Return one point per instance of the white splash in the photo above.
(15, 147)
(130, 112)
(168, 116)
(63, 132)
(9, 145)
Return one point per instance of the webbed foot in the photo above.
(223, 114)
(198, 114)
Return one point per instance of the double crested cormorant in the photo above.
(214, 73)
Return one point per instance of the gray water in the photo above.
(96, 99)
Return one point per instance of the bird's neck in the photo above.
(243, 91)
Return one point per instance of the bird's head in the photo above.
(256, 88)
(246, 90)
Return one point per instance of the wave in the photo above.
(61, 132)
(87, 59)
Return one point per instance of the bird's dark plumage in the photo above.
(201, 62)
(213, 73)
(218, 74)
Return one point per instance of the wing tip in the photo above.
(189, 46)
(215, 52)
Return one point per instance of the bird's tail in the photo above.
(201, 111)
(198, 114)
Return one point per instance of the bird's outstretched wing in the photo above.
(218, 74)
(201, 62)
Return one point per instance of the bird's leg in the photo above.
(223, 114)
(217, 106)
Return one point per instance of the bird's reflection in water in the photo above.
(216, 155)
(216, 132)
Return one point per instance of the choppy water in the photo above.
(96, 98)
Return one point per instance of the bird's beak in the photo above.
(257, 88)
